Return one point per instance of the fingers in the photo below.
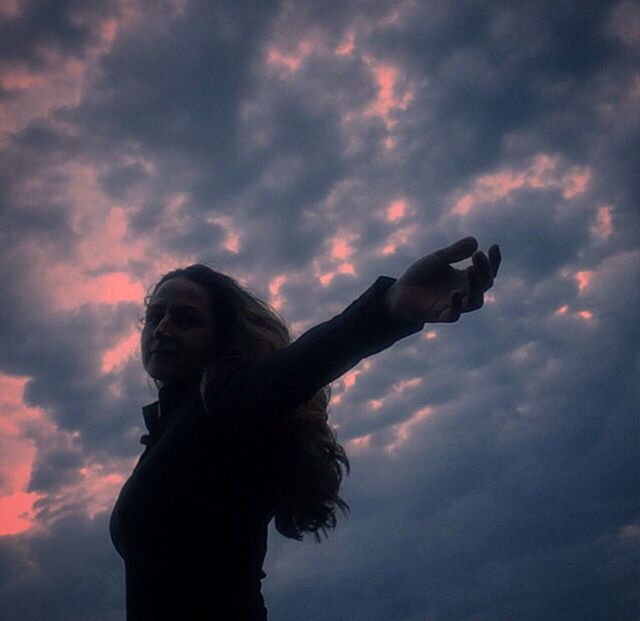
(459, 250)
(480, 276)
(487, 266)
(484, 268)
(456, 307)
(451, 313)
(475, 294)
(494, 258)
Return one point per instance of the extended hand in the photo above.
(432, 291)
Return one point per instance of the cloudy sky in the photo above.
(306, 148)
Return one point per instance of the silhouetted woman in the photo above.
(239, 433)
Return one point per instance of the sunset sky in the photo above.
(305, 148)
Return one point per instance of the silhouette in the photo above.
(239, 433)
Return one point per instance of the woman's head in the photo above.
(195, 315)
(198, 322)
(179, 333)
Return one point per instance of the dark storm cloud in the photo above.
(68, 572)
(43, 31)
(516, 496)
(497, 499)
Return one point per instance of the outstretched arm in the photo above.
(430, 290)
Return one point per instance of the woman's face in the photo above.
(178, 334)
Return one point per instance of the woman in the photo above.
(239, 433)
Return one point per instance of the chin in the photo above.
(167, 374)
(163, 373)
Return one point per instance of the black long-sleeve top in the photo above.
(191, 520)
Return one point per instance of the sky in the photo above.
(306, 148)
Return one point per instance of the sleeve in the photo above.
(280, 382)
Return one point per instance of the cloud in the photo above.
(305, 149)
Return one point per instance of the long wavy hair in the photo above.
(311, 462)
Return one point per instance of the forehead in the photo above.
(182, 292)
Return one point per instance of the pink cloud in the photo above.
(543, 172)
(74, 288)
(24, 433)
(348, 381)
(403, 431)
(99, 486)
(61, 80)
(402, 385)
(292, 60)
(399, 237)
(396, 210)
(274, 290)
(233, 233)
(583, 277)
(16, 457)
(564, 311)
(347, 45)
(603, 226)
(9, 8)
(388, 99)
(340, 248)
(347, 268)
(575, 182)
(123, 350)
(15, 78)
(349, 378)
(585, 314)
(359, 444)
(326, 278)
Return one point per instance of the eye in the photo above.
(152, 316)
(186, 318)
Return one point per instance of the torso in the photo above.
(191, 521)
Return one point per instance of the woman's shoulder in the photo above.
(218, 374)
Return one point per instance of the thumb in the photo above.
(462, 249)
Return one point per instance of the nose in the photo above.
(163, 329)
